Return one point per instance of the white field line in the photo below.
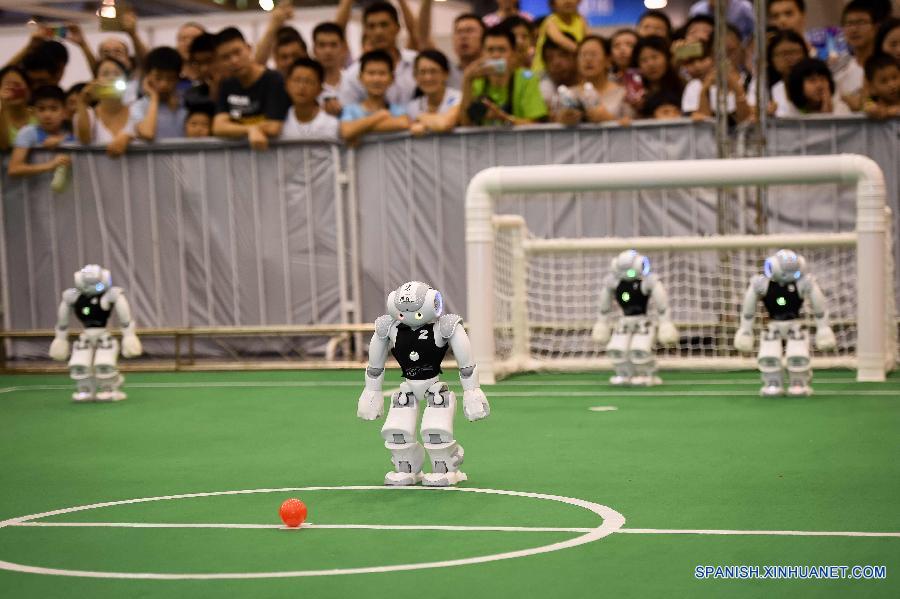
(655, 531)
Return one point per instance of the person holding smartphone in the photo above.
(107, 123)
(496, 94)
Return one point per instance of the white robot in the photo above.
(783, 288)
(630, 344)
(418, 333)
(93, 361)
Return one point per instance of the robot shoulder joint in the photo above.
(760, 284)
(70, 296)
(383, 326)
(447, 324)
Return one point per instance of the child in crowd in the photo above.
(883, 84)
(160, 113)
(653, 62)
(49, 104)
(621, 45)
(305, 118)
(374, 114)
(811, 89)
(564, 19)
(662, 105)
(198, 122)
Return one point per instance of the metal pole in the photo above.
(722, 149)
(758, 133)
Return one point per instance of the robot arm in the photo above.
(743, 338)
(59, 348)
(668, 334)
(475, 404)
(131, 345)
(825, 339)
(602, 331)
(371, 401)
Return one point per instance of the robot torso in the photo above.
(418, 353)
(631, 297)
(89, 310)
(782, 301)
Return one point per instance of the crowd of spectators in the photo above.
(506, 68)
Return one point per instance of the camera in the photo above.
(498, 65)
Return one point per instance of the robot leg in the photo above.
(640, 354)
(769, 361)
(81, 369)
(617, 350)
(437, 432)
(105, 372)
(797, 354)
(399, 433)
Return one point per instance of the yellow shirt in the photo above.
(577, 29)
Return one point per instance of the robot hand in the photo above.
(668, 334)
(370, 405)
(131, 346)
(743, 340)
(475, 404)
(825, 338)
(601, 332)
(59, 349)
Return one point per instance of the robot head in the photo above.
(415, 304)
(785, 266)
(630, 265)
(93, 280)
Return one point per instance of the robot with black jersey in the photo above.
(418, 334)
(92, 364)
(630, 344)
(783, 288)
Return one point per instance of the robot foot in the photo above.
(619, 381)
(646, 381)
(443, 479)
(771, 391)
(82, 396)
(111, 395)
(799, 391)
(402, 479)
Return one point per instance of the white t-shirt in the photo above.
(323, 126)
(419, 105)
(100, 134)
(690, 98)
(848, 79)
(400, 92)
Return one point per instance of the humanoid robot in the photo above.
(418, 333)
(92, 364)
(630, 344)
(783, 288)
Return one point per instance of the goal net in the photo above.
(543, 300)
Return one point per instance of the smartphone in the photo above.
(107, 91)
(634, 85)
(688, 51)
(111, 23)
(497, 64)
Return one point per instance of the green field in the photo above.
(701, 453)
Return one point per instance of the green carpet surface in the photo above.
(701, 452)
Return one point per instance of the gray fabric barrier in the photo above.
(216, 235)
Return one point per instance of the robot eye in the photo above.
(418, 316)
(99, 286)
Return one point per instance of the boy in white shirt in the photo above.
(305, 118)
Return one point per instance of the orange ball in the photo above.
(293, 512)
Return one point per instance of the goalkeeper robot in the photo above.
(783, 288)
(630, 343)
(92, 364)
(418, 333)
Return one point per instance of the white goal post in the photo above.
(869, 240)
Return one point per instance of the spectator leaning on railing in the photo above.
(252, 102)
(376, 113)
(108, 122)
(305, 118)
(436, 106)
(15, 113)
(160, 114)
(49, 132)
(883, 84)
